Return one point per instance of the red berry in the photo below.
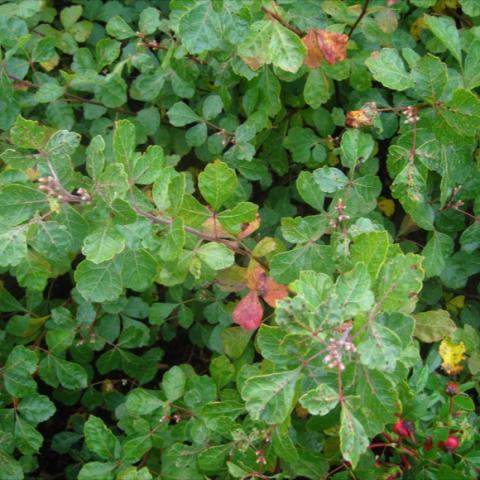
(402, 428)
(452, 443)
(428, 445)
(451, 388)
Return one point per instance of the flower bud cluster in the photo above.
(336, 350)
(53, 188)
(411, 115)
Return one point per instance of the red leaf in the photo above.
(273, 291)
(322, 44)
(249, 312)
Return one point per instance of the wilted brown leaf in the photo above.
(358, 118)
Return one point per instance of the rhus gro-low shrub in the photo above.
(239, 239)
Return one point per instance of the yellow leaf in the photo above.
(387, 206)
(458, 301)
(51, 63)
(418, 26)
(452, 355)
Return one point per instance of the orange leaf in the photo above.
(273, 291)
(269, 289)
(249, 228)
(322, 44)
(249, 312)
(314, 54)
(256, 276)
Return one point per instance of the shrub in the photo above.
(239, 239)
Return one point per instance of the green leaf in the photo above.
(29, 134)
(71, 375)
(117, 27)
(173, 242)
(353, 291)
(181, 114)
(353, 440)
(10, 469)
(217, 183)
(173, 383)
(233, 218)
(95, 156)
(200, 28)
(100, 439)
(430, 78)
(98, 282)
(106, 52)
(356, 147)
(472, 66)
(142, 402)
(270, 397)
(399, 283)
(436, 252)
(13, 247)
(19, 203)
(70, 15)
(149, 20)
(372, 249)
(286, 48)
(460, 116)
(124, 143)
(445, 30)
(49, 92)
(27, 439)
(286, 266)
(381, 349)
(330, 179)
(148, 167)
(318, 88)
(379, 398)
(97, 471)
(19, 368)
(301, 141)
(321, 400)
(216, 255)
(310, 191)
(103, 244)
(433, 326)
(138, 269)
(36, 408)
(196, 135)
(212, 107)
(388, 68)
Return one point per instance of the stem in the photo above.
(359, 19)
(69, 97)
(280, 20)
(231, 244)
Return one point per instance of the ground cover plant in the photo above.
(239, 239)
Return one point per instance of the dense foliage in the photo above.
(239, 239)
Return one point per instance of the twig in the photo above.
(231, 244)
(280, 20)
(68, 96)
(359, 19)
